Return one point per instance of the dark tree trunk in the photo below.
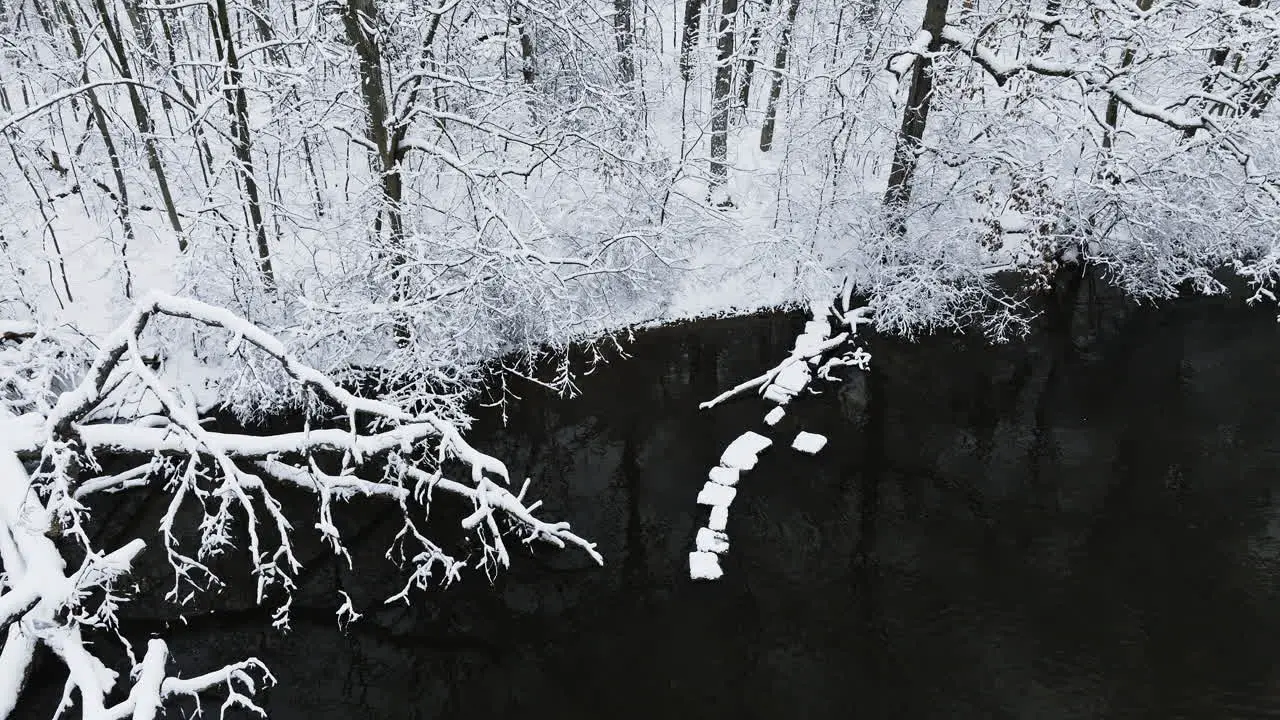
(624, 34)
(749, 65)
(108, 142)
(689, 38)
(915, 117)
(238, 104)
(775, 88)
(1051, 8)
(358, 15)
(142, 116)
(721, 92)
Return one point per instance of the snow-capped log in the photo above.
(231, 477)
(776, 384)
(11, 331)
(796, 356)
(793, 378)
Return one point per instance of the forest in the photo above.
(360, 212)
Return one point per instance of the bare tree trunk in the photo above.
(528, 59)
(868, 12)
(238, 105)
(117, 170)
(149, 47)
(1051, 8)
(309, 156)
(749, 66)
(689, 38)
(357, 16)
(1112, 117)
(261, 21)
(914, 119)
(45, 205)
(202, 146)
(720, 94)
(43, 16)
(775, 88)
(625, 36)
(142, 117)
(146, 38)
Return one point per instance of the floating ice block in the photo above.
(807, 442)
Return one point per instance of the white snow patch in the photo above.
(716, 494)
(724, 476)
(1012, 221)
(742, 452)
(719, 517)
(712, 541)
(774, 416)
(23, 431)
(704, 566)
(807, 442)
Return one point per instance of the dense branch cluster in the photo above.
(232, 480)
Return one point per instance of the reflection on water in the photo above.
(1083, 525)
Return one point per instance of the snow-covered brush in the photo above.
(230, 478)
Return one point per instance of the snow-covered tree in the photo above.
(131, 423)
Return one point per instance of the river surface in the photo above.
(1084, 524)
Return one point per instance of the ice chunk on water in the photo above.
(742, 452)
(807, 442)
(724, 476)
(719, 517)
(716, 494)
(704, 566)
(774, 416)
(712, 541)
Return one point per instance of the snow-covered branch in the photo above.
(1094, 77)
(231, 477)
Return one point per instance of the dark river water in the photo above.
(1084, 524)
